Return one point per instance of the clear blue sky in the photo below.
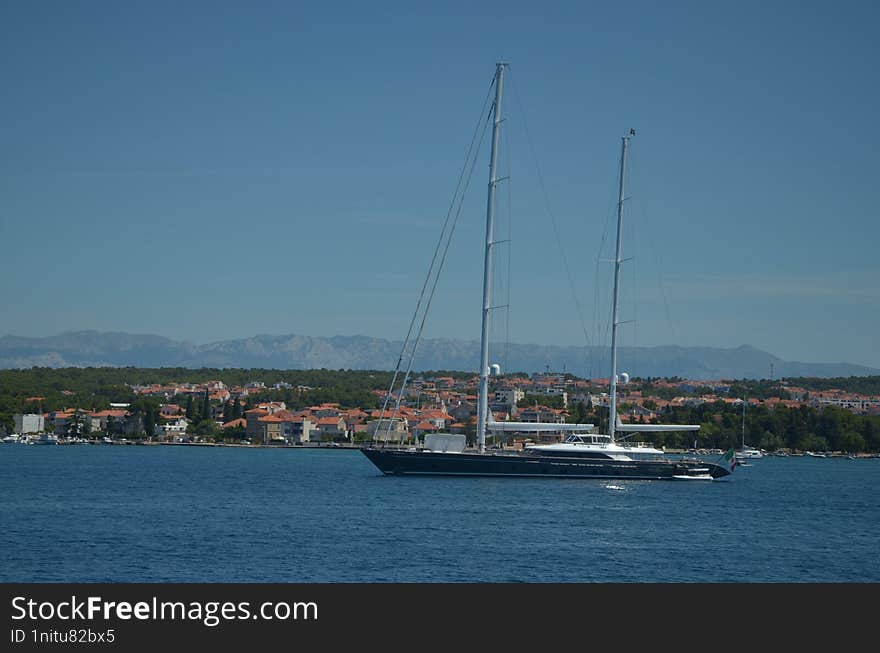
(216, 170)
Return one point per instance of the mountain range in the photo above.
(99, 349)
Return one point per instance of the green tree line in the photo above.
(93, 388)
(805, 428)
(865, 385)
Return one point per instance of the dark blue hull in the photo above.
(427, 463)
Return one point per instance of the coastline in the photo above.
(144, 443)
(347, 446)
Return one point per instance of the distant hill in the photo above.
(96, 349)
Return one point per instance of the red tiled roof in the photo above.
(110, 413)
(436, 414)
(385, 414)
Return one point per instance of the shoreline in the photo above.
(346, 446)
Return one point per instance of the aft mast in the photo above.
(612, 412)
(614, 425)
(483, 400)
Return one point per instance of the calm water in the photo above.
(192, 514)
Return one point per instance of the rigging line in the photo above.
(636, 291)
(600, 325)
(506, 357)
(635, 327)
(435, 271)
(440, 267)
(597, 354)
(455, 197)
(634, 294)
(501, 262)
(628, 338)
(658, 264)
(549, 211)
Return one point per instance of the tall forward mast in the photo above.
(483, 395)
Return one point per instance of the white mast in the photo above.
(483, 395)
(612, 412)
(613, 425)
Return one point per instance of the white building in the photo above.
(174, 426)
(29, 423)
(391, 430)
(509, 396)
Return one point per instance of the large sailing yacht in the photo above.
(584, 454)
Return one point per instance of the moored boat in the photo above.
(584, 453)
(46, 438)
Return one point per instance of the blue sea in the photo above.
(223, 514)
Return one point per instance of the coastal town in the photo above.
(256, 414)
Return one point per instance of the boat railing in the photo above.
(637, 445)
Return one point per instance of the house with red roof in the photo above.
(281, 426)
(252, 419)
(331, 428)
(423, 428)
(270, 427)
(167, 410)
(108, 421)
(240, 423)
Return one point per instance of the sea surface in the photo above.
(223, 514)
